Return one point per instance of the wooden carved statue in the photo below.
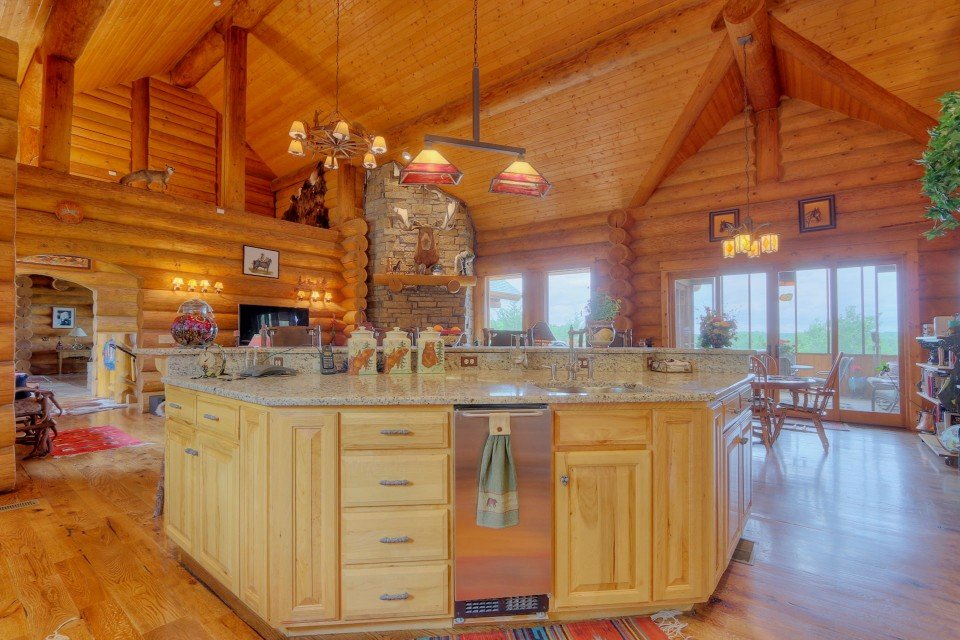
(427, 254)
(149, 176)
(307, 204)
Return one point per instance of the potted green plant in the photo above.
(717, 329)
(602, 310)
(941, 168)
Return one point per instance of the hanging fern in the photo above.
(941, 175)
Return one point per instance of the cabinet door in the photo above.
(303, 514)
(254, 563)
(179, 492)
(733, 501)
(216, 546)
(746, 474)
(603, 553)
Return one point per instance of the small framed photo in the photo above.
(817, 214)
(261, 262)
(723, 224)
(64, 317)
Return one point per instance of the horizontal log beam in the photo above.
(69, 27)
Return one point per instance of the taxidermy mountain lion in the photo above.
(149, 176)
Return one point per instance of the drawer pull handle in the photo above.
(174, 405)
(210, 416)
(394, 483)
(397, 540)
(395, 432)
(395, 596)
(191, 452)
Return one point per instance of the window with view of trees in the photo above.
(741, 296)
(568, 293)
(505, 302)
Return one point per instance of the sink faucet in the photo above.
(572, 354)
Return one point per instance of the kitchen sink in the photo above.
(591, 387)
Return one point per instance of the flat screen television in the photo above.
(253, 316)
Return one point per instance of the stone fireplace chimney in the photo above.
(424, 305)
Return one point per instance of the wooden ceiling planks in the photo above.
(138, 38)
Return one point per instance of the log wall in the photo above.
(871, 171)
(156, 237)
(9, 104)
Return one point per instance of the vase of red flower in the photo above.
(194, 325)
(717, 329)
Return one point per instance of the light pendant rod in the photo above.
(476, 70)
(430, 139)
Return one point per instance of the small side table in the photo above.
(71, 354)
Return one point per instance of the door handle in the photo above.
(395, 432)
(394, 596)
(394, 483)
(210, 416)
(191, 452)
(397, 540)
(564, 480)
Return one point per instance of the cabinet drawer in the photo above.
(394, 429)
(180, 404)
(218, 417)
(395, 536)
(398, 479)
(624, 427)
(395, 592)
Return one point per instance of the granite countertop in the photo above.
(482, 387)
(176, 351)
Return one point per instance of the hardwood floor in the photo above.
(861, 543)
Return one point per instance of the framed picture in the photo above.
(817, 214)
(64, 317)
(723, 224)
(73, 262)
(261, 262)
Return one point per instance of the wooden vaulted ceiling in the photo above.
(594, 91)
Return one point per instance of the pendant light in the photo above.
(745, 240)
(430, 167)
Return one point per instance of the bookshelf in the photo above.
(936, 375)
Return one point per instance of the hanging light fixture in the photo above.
(430, 167)
(745, 240)
(333, 137)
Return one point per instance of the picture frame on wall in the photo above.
(64, 317)
(723, 224)
(817, 214)
(260, 262)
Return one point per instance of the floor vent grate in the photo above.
(744, 551)
(514, 606)
(18, 505)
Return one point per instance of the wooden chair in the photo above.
(813, 406)
(763, 403)
(770, 363)
(34, 422)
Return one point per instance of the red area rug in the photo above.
(666, 626)
(91, 439)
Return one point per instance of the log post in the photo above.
(140, 125)
(31, 92)
(56, 113)
(233, 133)
(749, 18)
(346, 193)
(768, 145)
(8, 180)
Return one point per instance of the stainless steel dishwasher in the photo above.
(503, 572)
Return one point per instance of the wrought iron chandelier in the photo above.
(333, 137)
(430, 167)
(745, 239)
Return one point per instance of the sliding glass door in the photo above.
(805, 317)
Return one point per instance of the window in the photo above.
(505, 302)
(568, 293)
(742, 296)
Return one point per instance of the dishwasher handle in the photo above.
(512, 414)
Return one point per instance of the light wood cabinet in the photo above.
(603, 510)
(395, 479)
(734, 487)
(254, 499)
(303, 514)
(396, 592)
(179, 492)
(218, 514)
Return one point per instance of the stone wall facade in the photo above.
(414, 306)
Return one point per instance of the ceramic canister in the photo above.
(362, 353)
(396, 352)
(430, 352)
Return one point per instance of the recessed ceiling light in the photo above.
(406, 156)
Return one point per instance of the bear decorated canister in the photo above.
(396, 352)
(362, 353)
(430, 352)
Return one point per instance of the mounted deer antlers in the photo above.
(401, 218)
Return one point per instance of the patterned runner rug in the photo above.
(91, 439)
(660, 626)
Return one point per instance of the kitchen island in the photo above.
(281, 492)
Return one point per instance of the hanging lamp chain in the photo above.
(746, 123)
(337, 90)
(476, 30)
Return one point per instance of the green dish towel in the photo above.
(497, 504)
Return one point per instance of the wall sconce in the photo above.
(204, 286)
(191, 285)
(310, 288)
(218, 287)
(301, 294)
(314, 296)
(327, 297)
(177, 283)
